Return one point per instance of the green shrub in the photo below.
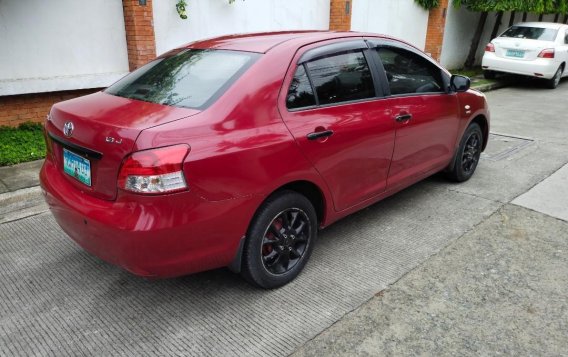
(21, 144)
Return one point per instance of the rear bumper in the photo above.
(160, 236)
(545, 66)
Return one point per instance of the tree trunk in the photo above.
(524, 16)
(512, 19)
(475, 41)
(540, 17)
(497, 24)
(556, 17)
(565, 18)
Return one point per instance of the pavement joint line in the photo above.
(26, 217)
(512, 136)
(476, 196)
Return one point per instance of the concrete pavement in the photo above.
(55, 299)
(499, 290)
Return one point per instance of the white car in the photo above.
(536, 49)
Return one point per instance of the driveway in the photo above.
(55, 299)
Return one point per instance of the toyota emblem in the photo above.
(68, 129)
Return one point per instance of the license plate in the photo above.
(77, 167)
(515, 53)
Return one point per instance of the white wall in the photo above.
(59, 45)
(460, 28)
(401, 18)
(209, 18)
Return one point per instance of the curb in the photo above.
(12, 197)
(21, 204)
(491, 86)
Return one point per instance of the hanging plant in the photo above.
(428, 4)
(180, 7)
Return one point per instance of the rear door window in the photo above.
(188, 78)
(341, 78)
(408, 72)
(300, 93)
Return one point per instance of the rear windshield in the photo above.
(186, 78)
(531, 33)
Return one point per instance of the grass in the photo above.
(469, 72)
(21, 144)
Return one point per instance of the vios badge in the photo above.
(68, 129)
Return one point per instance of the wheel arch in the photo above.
(309, 190)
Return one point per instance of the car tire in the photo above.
(468, 154)
(280, 240)
(553, 82)
(489, 74)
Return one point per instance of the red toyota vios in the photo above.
(234, 151)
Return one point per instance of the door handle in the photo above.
(319, 134)
(403, 117)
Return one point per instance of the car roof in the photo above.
(262, 42)
(548, 25)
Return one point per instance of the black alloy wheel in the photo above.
(280, 240)
(285, 241)
(471, 153)
(467, 156)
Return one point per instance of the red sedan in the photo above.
(235, 151)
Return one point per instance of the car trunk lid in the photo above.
(105, 128)
(519, 49)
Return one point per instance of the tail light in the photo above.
(547, 53)
(154, 171)
(490, 47)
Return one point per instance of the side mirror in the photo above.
(460, 83)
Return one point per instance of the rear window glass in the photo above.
(188, 78)
(531, 33)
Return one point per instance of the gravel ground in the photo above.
(499, 290)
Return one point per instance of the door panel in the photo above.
(355, 160)
(427, 140)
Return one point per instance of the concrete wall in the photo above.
(58, 45)
(460, 27)
(207, 18)
(401, 18)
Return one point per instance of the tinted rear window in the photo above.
(186, 78)
(531, 33)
